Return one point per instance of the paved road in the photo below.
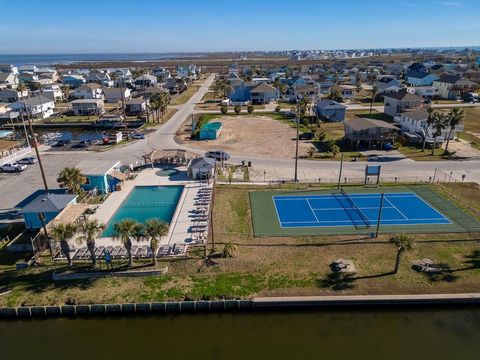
(16, 187)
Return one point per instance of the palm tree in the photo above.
(439, 124)
(90, 229)
(429, 123)
(155, 229)
(125, 231)
(454, 118)
(402, 242)
(72, 179)
(229, 250)
(62, 233)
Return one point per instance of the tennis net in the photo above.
(359, 219)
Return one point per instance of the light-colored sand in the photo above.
(256, 135)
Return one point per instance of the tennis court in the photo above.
(359, 210)
(415, 209)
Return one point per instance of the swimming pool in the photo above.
(146, 202)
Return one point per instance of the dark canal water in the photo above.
(400, 334)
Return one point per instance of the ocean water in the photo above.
(51, 59)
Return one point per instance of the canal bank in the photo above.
(256, 304)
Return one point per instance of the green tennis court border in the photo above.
(265, 220)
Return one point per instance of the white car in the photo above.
(13, 167)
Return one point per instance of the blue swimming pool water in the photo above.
(146, 202)
(332, 210)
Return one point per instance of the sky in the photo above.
(108, 26)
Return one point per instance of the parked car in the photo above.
(27, 161)
(83, 144)
(471, 97)
(61, 143)
(137, 136)
(13, 167)
(218, 155)
(306, 136)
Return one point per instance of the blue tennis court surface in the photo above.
(331, 210)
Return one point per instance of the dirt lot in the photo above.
(253, 135)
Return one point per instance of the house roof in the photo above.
(114, 91)
(416, 114)
(339, 88)
(404, 96)
(359, 124)
(265, 88)
(49, 203)
(37, 100)
(146, 77)
(452, 79)
(330, 104)
(89, 86)
(86, 101)
(97, 167)
(201, 162)
(4, 76)
(135, 101)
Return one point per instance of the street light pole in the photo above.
(296, 143)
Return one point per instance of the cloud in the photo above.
(450, 3)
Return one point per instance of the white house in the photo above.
(38, 106)
(114, 95)
(88, 91)
(100, 78)
(8, 79)
(425, 91)
(416, 122)
(53, 91)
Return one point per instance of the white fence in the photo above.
(15, 155)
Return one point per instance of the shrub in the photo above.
(278, 108)
(237, 109)
(250, 109)
(224, 109)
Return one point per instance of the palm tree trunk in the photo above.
(434, 145)
(154, 256)
(69, 259)
(397, 261)
(130, 259)
(91, 249)
(448, 139)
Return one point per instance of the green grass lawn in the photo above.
(185, 96)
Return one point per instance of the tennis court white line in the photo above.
(434, 209)
(311, 209)
(383, 220)
(401, 213)
(361, 208)
(356, 196)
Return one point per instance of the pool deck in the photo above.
(181, 221)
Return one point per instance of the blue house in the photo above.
(241, 92)
(73, 81)
(45, 208)
(330, 110)
(104, 176)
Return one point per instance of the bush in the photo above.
(278, 108)
(237, 109)
(250, 109)
(224, 109)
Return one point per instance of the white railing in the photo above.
(15, 156)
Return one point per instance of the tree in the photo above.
(429, 124)
(229, 250)
(454, 118)
(65, 91)
(237, 109)
(250, 109)
(127, 231)
(62, 234)
(439, 124)
(165, 99)
(155, 101)
(90, 230)
(224, 109)
(72, 179)
(402, 242)
(154, 230)
(320, 135)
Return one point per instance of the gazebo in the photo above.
(170, 157)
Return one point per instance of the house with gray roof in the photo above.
(201, 168)
(45, 208)
(329, 110)
(370, 132)
(397, 102)
(453, 86)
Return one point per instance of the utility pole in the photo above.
(340, 172)
(380, 215)
(296, 143)
(35, 146)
